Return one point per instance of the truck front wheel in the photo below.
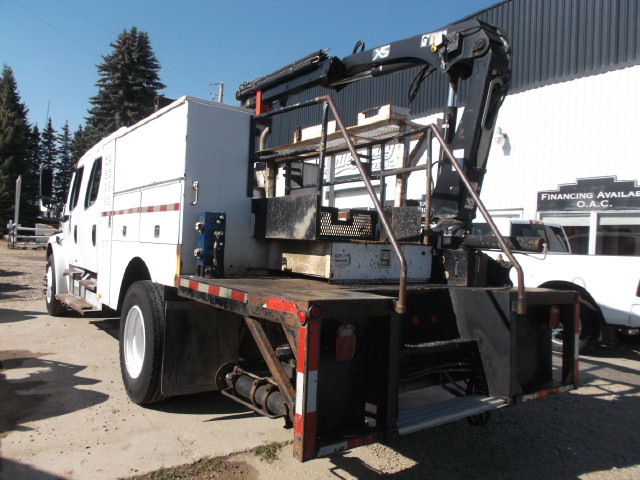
(142, 325)
(55, 307)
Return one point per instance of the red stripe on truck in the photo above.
(169, 207)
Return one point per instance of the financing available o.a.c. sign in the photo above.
(599, 193)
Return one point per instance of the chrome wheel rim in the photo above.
(557, 335)
(49, 293)
(134, 342)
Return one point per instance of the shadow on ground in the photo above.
(40, 389)
(9, 315)
(21, 470)
(7, 289)
(560, 437)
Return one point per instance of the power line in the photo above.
(95, 22)
(57, 29)
(107, 29)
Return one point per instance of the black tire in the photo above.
(142, 325)
(55, 307)
(589, 328)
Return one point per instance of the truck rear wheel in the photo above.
(142, 325)
(55, 307)
(588, 328)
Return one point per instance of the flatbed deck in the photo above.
(281, 298)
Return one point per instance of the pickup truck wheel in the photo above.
(55, 307)
(142, 326)
(588, 328)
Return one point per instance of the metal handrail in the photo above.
(401, 303)
(521, 304)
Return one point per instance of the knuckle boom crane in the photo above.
(472, 50)
(353, 325)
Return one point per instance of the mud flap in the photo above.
(198, 339)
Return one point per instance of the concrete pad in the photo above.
(64, 411)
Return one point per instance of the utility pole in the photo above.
(220, 91)
(16, 215)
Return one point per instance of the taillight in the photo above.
(345, 342)
(638, 289)
(314, 312)
(554, 317)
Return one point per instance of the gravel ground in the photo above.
(21, 273)
(590, 433)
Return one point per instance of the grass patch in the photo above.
(268, 452)
(205, 468)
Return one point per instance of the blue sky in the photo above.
(53, 46)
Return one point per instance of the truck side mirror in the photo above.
(46, 182)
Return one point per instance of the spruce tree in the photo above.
(49, 147)
(128, 83)
(16, 153)
(65, 165)
(80, 144)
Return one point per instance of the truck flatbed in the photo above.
(281, 298)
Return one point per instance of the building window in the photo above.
(575, 226)
(618, 234)
(597, 233)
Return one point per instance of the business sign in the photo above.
(600, 193)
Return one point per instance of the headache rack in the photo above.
(306, 217)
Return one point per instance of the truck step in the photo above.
(73, 272)
(89, 284)
(76, 303)
(426, 416)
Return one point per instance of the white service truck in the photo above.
(342, 322)
(609, 286)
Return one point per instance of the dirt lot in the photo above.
(64, 414)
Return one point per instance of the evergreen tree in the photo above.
(80, 144)
(36, 140)
(48, 147)
(30, 183)
(16, 153)
(128, 83)
(65, 165)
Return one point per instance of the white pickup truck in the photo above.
(609, 285)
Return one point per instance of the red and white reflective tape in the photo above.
(305, 424)
(169, 207)
(546, 393)
(281, 305)
(214, 290)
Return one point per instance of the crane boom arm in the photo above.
(473, 51)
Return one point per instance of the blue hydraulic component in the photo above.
(210, 252)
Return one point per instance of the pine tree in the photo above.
(36, 139)
(65, 165)
(128, 83)
(16, 153)
(48, 147)
(80, 144)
